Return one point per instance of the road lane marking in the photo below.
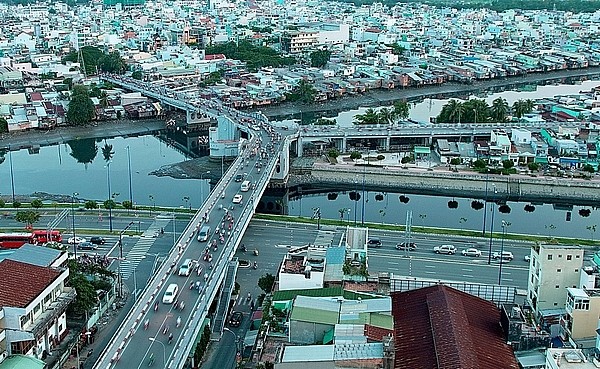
(467, 276)
(467, 270)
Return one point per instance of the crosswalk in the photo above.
(139, 251)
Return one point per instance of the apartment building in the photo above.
(297, 41)
(552, 269)
(583, 310)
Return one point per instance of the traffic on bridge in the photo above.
(162, 327)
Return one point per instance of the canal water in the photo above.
(80, 167)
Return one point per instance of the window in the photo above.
(556, 304)
(569, 257)
(559, 255)
(558, 270)
(557, 286)
(577, 256)
(549, 256)
(576, 270)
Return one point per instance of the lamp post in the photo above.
(348, 215)
(153, 339)
(317, 215)
(151, 197)
(73, 223)
(492, 229)
(121, 256)
(504, 225)
(129, 167)
(202, 187)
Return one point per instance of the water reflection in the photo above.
(83, 150)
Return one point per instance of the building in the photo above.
(34, 308)
(297, 41)
(583, 311)
(440, 327)
(569, 358)
(304, 270)
(552, 269)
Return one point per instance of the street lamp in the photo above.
(202, 187)
(504, 225)
(317, 215)
(153, 339)
(73, 224)
(151, 197)
(492, 228)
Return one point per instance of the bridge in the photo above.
(384, 135)
(140, 339)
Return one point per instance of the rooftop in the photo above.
(19, 287)
(568, 359)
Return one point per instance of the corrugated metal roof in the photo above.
(441, 327)
(335, 255)
(287, 295)
(36, 255)
(307, 353)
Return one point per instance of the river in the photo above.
(79, 167)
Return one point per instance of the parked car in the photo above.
(374, 242)
(76, 240)
(471, 252)
(236, 319)
(98, 240)
(445, 249)
(86, 246)
(403, 246)
(186, 268)
(505, 255)
(237, 199)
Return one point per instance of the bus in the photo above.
(44, 236)
(16, 240)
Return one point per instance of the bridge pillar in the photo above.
(299, 147)
(344, 147)
(282, 168)
(388, 140)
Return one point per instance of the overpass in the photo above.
(383, 135)
(135, 343)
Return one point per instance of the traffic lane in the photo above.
(475, 270)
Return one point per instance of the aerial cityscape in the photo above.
(290, 184)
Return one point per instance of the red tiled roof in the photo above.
(21, 283)
(440, 327)
(377, 333)
(36, 96)
(214, 56)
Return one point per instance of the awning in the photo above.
(328, 336)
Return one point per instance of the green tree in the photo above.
(91, 205)
(81, 107)
(333, 153)
(499, 110)
(103, 99)
(37, 203)
(355, 155)
(3, 125)
(83, 150)
(455, 161)
(112, 63)
(319, 58)
(507, 164)
(16, 204)
(127, 204)
(397, 49)
(304, 92)
(588, 168)
(137, 75)
(266, 282)
(533, 166)
(452, 112)
(479, 164)
(86, 293)
(522, 107)
(2, 203)
(109, 204)
(107, 151)
(401, 110)
(385, 116)
(369, 117)
(27, 216)
(254, 56)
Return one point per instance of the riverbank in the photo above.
(379, 97)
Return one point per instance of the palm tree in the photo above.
(499, 109)
(401, 110)
(519, 108)
(455, 109)
(386, 116)
(369, 117)
(107, 151)
(529, 105)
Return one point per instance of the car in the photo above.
(186, 268)
(471, 252)
(504, 255)
(76, 240)
(236, 319)
(237, 199)
(527, 258)
(374, 242)
(170, 293)
(98, 240)
(255, 127)
(239, 177)
(445, 249)
(86, 246)
(403, 246)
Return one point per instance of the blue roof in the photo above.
(335, 255)
(36, 255)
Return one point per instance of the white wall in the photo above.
(298, 281)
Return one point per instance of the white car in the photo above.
(76, 240)
(445, 249)
(186, 268)
(237, 199)
(471, 252)
(170, 293)
(505, 255)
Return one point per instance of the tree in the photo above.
(455, 161)
(110, 204)
(333, 153)
(401, 110)
(137, 75)
(107, 151)
(103, 99)
(3, 125)
(452, 112)
(16, 204)
(355, 155)
(319, 58)
(266, 282)
(507, 164)
(112, 63)
(127, 204)
(588, 168)
(369, 117)
(91, 205)
(84, 150)
(37, 203)
(479, 164)
(81, 107)
(2, 203)
(522, 107)
(86, 293)
(499, 109)
(385, 116)
(304, 92)
(28, 217)
(533, 166)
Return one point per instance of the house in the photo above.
(441, 327)
(34, 308)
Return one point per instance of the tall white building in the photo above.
(552, 269)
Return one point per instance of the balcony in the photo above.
(56, 308)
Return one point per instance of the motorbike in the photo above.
(170, 338)
(243, 248)
(178, 323)
(156, 306)
(165, 329)
(255, 265)
(255, 252)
